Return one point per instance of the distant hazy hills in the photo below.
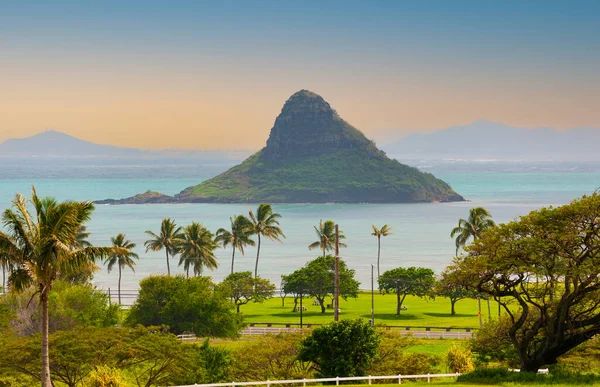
(489, 140)
(52, 143)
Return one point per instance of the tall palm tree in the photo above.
(479, 221)
(44, 248)
(384, 231)
(197, 249)
(265, 223)
(123, 258)
(166, 239)
(326, 234)
(239, 236)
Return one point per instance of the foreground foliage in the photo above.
(544, 269)
(47, 246)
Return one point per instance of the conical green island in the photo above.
(313, 155)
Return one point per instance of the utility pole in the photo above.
(479, 312)
(336, 301)
(301, 311)
(372, 299)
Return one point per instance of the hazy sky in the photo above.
(196, 74)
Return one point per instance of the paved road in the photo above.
(423, 334)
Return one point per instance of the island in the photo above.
(312, 155)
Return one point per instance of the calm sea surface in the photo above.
(421, 231)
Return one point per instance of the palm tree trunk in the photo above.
(232, 259)
(257, 254)
(323, 252)
(46, 382)
(119, 285)
(168, 267)
(378, 254)
(3, 279)
(187, 272)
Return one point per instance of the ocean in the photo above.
(421, 232)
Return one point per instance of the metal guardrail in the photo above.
(388, 327)
(337, 380)
(251, 331)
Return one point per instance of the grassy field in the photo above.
(420, 312)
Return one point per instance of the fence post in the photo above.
(428, 379)
(399, 379)
(232, 384)
(337, 380)
(369, 379)
(268, 383)
(304, 382)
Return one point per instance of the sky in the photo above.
(200, 74)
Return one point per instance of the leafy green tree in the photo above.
(414, 281)
(46, 248)
(69, 306)
(239, 236)
(344, 348)
(392, 359)
(197, 249)
(560, 245)
(384, 231)
(478, 222)
(153, 357)
(124, 258)
(192, 304)
(326, 237)
(317, 279)
(274, 357)
(450, 285)
(265, 223)
(243, 288)
(167, 239)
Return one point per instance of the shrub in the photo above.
(104, 376)
(391, 359)
(271, 358)
(503, 375)
(344, 348)
(459, 359)
(492, 344)
(185, 305)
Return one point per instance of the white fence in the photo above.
(337, 380)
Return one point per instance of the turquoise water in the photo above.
(421, 231)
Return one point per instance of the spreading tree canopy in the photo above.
(544, 269)
(415, 281)
(317, 279)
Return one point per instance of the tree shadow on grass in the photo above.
(392, 316)
(448, 315)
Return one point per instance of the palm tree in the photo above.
(384, 231)
(265, 223)
(326, 234)
(167, 239)
(238, 237)
(479, 221)
(44, 248)
(197, 249)
(124, 258)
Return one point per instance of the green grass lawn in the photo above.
(420, 312)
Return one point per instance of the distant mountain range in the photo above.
(490, 140)
(52, 143)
